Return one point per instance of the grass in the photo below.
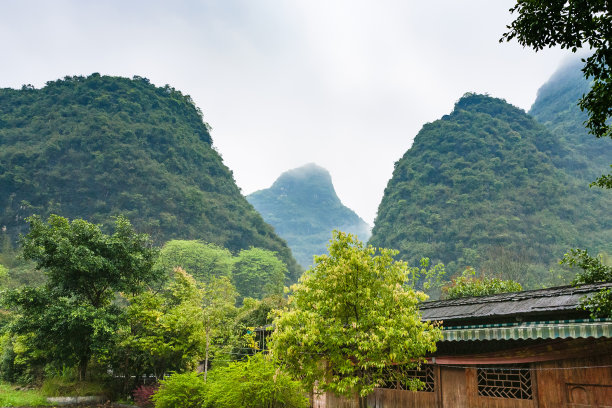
(53, 387)
(59, 387)
(9, 397)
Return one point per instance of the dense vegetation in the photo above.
(484, 187)
(468, 284)
(304, 209)
(107, 303)
(109, 315)
(556, 107)
(96, 147)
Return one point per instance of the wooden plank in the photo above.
(579, 382)
(454, 387)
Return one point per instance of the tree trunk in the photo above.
(84, 361)
(363, 402)
(206, 356)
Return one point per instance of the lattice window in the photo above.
(425, 375)
(511, 382)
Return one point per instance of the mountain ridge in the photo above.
(99, 146)
(482, 180)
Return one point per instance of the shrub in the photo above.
(143, 395)
(186, 390)
(256, 382)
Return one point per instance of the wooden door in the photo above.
(454, 387)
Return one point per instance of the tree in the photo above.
(258, 273)
(218, 302)
(353, 319)
(573, 24)
(467, 284)
(72, 317)
(594, 270)
(162, 332)
(201, 260)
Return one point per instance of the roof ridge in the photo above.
(512, 296)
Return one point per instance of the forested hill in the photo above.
(303, 207)
(94, 147)
(556, 107)
(481, 187)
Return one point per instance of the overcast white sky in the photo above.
(346, 84)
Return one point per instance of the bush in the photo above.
(186, 390)
(143, 395)
(254, 383)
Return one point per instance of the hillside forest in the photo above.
(97, 147)
(503, 191)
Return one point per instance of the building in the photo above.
(534, 348)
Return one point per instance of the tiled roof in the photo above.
(527, 304)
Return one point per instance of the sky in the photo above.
(346, 84)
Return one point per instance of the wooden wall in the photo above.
(382, 398)
(556, 384)
(473, 400)
(562, 384)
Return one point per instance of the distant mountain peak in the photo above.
(303, 207)
(483, 103)
(310, 182)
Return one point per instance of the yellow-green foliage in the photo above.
(352, 316)
(187, 390)
(254, 383)
(165, 331)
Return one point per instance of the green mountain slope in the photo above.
(100, 146)
(482, 184)
(556, 107)
(304, 209)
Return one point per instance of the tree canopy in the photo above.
(204, 261)
(574, 24)
(353, 320)
(161, 332)
(258, 273)
(594, 270)
(72, 318)
(81, 261)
